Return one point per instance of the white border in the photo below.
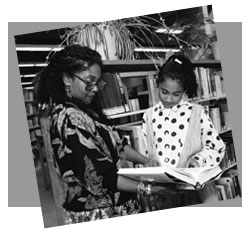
(184, 219)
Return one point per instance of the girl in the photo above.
(176, 132)
(171, 121)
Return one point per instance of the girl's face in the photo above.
(79, 82)
(170, 92)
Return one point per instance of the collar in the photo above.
(175, 108)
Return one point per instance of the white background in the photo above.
(186, 219)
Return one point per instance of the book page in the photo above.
(172, 175)
(156, 174)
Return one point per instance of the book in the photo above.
(221, 191)
(218, 84)
(110, 99)
(214, 113)
(122, 92)
(228, 185)
(152, 89)
(204, 82)
(192, 178)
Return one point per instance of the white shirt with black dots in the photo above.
(170, 126)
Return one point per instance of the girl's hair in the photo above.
(49, 85)
(179, 67)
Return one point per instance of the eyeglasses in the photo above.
(91, 85)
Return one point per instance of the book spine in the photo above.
(213, 84)
(214, 113)
(218, 85)
(122, 94)
(204, 82)
(153, 92)
(199, 89)
(210, 92)
(110, 97)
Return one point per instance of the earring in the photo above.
(68, 91)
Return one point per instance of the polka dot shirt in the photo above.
(170, 126)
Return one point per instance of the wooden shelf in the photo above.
(29, 101)
(225, 131)
(127, 114)
(207, 63)
(209, 99)
(31, 115)
(129, 124)
(34, 128)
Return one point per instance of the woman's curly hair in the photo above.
(179, 67)
(49, 86)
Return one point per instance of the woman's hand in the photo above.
(164, 189)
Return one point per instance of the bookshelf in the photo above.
(134, 81)
(137, 78)
(35, 135)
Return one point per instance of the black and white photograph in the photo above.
(128, 116)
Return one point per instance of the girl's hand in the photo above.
(152, 163)
(192, 163)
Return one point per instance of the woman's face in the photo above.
(170, 92)
(78, 86)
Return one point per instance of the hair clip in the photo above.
(178, 61)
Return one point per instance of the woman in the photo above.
(86, 147)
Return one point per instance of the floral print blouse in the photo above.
(170, 126)
(86, 153)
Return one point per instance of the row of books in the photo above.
(34, 133)
(30, 108)
(219, 115)
(210, 83)
(32, 118)
(230, 155)
(33, 122)
(123, 95)
(28, 94)
(228, 186)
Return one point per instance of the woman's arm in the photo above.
(136, 157)
(126, 184)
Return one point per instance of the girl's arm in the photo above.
(213, 148)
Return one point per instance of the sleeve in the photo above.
(213, 148)
(119, 137)
(81, 161)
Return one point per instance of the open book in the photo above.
(195, 177)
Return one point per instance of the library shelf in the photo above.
(34, 128)
(225, 131)
(210, 99)
(127, 114)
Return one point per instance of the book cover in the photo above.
(199, 89)
(204, 82)
(214, 113)
(227, 183)
(121, 92)
(153, 96)
(190, 177)
(110, 98)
